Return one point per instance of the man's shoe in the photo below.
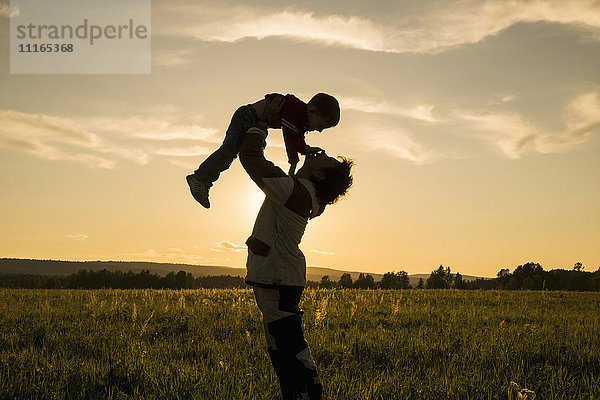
(199, 190)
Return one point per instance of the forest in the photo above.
(529, 276)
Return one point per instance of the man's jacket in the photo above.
(274, 258)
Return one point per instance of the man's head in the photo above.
(331, 176)
(323, 112)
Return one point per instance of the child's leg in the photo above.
(243, 119)
(288, 350)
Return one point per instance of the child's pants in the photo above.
(243, 119)
(289, 352)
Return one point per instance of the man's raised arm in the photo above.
(253, 158)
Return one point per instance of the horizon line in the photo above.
(219, 266)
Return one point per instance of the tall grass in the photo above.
(209, 344)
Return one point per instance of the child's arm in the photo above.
(305, 149)
(292, 170)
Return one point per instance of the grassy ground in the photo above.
(209, 344)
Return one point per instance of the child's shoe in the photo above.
(199, 190)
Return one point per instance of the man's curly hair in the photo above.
(336, 183)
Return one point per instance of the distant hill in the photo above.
(54, 267)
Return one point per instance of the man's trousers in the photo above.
(289, 352)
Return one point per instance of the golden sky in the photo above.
(474, 126)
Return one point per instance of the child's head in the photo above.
(323, 112)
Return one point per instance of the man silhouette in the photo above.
(276, 266)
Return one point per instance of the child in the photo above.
(296, 118)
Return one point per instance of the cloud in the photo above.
(514, 136)
(186, 165)
(48, 152)
(185, 151)
(582, 120)
(138, 156)
(555, 143)
(508, 131)
(583, 109)
(397, 144)
(85, 139)
(172, 255)
(374, 131)
(24, 126)
(402, 146)
(325, 253)
(508, 97)
(468, 22)
(77, 237)
(438, 27)
(422, 112)
(56, 138)
(502, 98)
(230, 24)
(166, 57)
(226, 246)
(168, 126)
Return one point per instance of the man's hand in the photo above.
(312, 150)
(292, 170)
(272, 111)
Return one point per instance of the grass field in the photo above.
(209, 344)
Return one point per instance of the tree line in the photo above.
(529, 276)
(84, 279)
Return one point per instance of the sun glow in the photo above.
(254, 199)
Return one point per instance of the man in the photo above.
(276, 266)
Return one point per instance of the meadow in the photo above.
(368, 344)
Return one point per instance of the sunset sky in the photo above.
(474, 126)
